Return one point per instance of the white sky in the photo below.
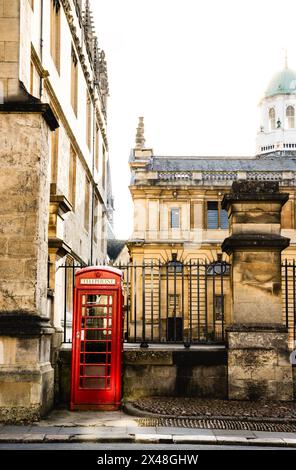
(195, 69)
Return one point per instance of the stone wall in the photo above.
(24, 195)
(258, 365)
(175, 373)
(26, 375)
(162, 373)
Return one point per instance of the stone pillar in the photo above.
(258, 356)
(26, 375)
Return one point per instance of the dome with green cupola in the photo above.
(284, 82)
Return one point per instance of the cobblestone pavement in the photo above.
(198, 407)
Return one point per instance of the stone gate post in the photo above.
(258, 356)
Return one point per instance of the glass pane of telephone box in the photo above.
(99, 335)
(93, 383)
(94, 299)
(93, 370)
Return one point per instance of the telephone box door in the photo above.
(97, 349)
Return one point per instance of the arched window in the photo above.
(271, 115)
(290, 117)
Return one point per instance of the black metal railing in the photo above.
(289, 298)
(175, 302)
(68, 298)
(165, 303)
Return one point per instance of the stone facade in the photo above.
(55, 186)
(26, 374)
(175, 373)
(178, 215)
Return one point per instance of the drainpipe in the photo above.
(41, 45)
(93, 188)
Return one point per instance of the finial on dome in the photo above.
(140, 139)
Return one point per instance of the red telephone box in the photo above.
(97, 339)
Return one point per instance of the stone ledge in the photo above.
(178, 358)
(148, 357)
(32, 107)
(254, 241)
(257, 327)
(63, 204)
(24, 324)
(58, 244)
(254, 191)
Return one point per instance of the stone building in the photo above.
(178, 213)
(56, 200)
(213, 265)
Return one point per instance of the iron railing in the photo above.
(175, 302)
(68, 298)
(178, 303)
(289, 298)
(165, 303)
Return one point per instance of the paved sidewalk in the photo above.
(63, 426)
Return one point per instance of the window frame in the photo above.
(72, 178)
(290, 119)
(97, 150)
(55, 33)
(86, 203)
(74, 81)
(96, 218)
(172, 209)
(88, 130)
(271, 119)
(219, 216)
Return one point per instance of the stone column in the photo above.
(26, 375)
(258, 356)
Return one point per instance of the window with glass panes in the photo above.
(216, 216)
(175, 218)
(290, 115)
(271, 115)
